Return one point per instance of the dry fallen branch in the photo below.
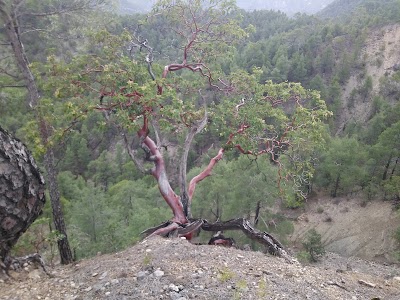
(173, 229)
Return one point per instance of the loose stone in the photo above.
(158, 273)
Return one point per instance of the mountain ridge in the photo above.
(289, 7)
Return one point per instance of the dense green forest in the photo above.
(290, 7)
(106, 199)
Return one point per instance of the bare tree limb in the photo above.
(66, 7)
(132, 155)
(274, 247)
(195, 129)
(12, 86)
(5, 72)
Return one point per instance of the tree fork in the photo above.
(160, 174)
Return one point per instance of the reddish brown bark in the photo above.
(206, 172)
(180, 205)
(160, 174)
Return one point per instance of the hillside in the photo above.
(380, 57)
(350, 227)
(344, 9)
(175, 269)
(290, 7)
(340, 8)
(351, 159)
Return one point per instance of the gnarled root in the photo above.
(173, 229)
(220, 240)
(274, 247)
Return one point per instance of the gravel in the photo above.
(174, 269)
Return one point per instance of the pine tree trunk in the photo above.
(12, 32)
(58, 216)
(335, 189)
(384, 176)
(394, 167)
(22, 189)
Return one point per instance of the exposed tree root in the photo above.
(220, 240)
(274, 247)
(173, 229)
(148, 232)
(16, 263)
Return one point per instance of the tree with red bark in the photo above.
(157, 106)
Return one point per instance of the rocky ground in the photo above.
(175, 269)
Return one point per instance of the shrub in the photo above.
(303, 256)
(225, 275)
(313, 245)
(39, 238)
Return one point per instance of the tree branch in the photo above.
(169, 228)
(132, 155)
(12, 86)
(195, 129)
(67, 7)
(9, 74)
(274, 247)
(205, 173)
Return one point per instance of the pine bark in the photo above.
(22, 195)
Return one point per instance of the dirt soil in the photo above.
(380, 54)
(351, 227)
(174, 269)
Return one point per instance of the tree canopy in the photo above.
(173, 92)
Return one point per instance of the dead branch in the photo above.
(274, 247)
(172, 229)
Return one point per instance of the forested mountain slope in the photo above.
(352, 61)
(289, 7)
(381, 59)
(345, 8)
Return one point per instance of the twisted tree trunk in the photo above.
(21, 191)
